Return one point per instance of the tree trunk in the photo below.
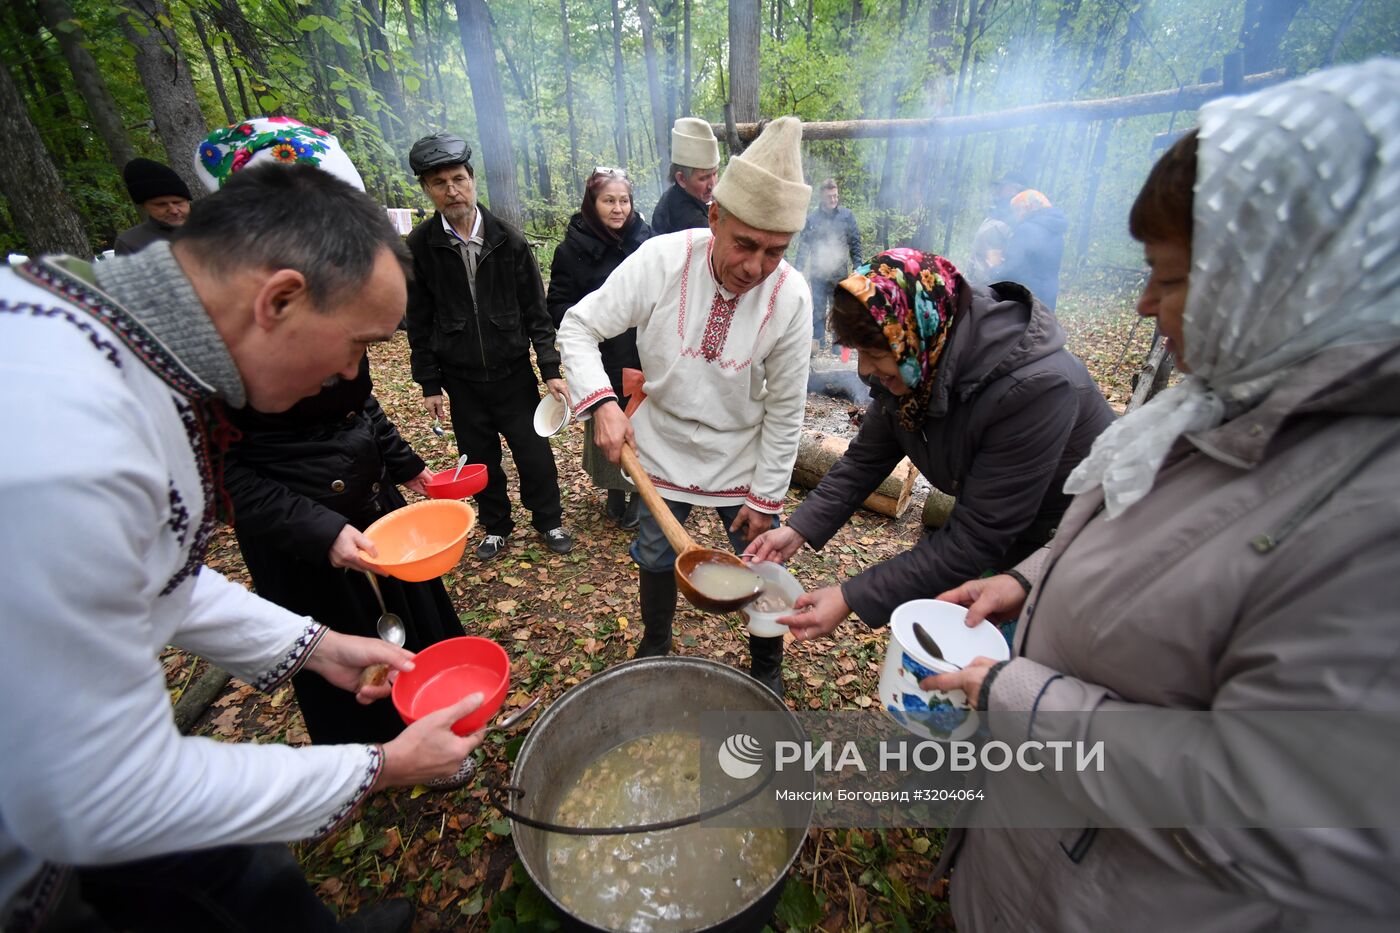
(213, 61)
(744, 29)
(541, 180)
(474, 24)
(619, 87)
(377, 105)
(345, 64)
(420, 58)
(658, 101)
(228, 17)
(435, 58)
(40, 207)
(1262, 31)
(569, 97)
(238, 79)
(384, 77)
(47, 84)
(1189, 97)
(685, 86)
(58, 16)
(166, 76)
(817, 453)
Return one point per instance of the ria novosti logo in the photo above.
(740, 756)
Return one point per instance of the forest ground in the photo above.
(565, 618)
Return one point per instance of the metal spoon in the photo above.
(390, 628)
(461, 462)
(926, 642)
(516, 716)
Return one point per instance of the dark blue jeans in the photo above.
(653, 552)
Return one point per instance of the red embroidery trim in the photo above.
(766, 503)
(685, 282)
(736, 492)
(717, 326)
(588, 400)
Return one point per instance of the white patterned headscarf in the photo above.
(1295, 248)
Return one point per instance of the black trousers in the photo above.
(233, 889)
(821, 302)
(483, 412)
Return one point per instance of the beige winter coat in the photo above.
(1170, 605)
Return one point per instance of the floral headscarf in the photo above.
(913, 296)
(228, 151)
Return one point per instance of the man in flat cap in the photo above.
(694, 168)
(723, 329)
(475, 308)
(164, 201)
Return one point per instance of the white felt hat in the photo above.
(763, 185)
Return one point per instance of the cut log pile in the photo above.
(817, 452)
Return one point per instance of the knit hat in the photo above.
(763, 185)
(693, 144)
(146, 179)
(263, 140)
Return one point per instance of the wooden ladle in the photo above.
(689, 555)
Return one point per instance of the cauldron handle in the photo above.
(493, 793)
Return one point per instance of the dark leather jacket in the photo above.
(296, 477)
(447, 334)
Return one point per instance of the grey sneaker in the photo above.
(490, 547)
(558, 540)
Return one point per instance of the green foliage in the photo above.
(898, 59)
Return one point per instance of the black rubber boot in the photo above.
(658, 597)
(766, 662)
(630, 518)
(617, 505)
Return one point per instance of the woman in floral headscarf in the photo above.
(974, 386)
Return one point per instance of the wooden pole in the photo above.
(1190, 97)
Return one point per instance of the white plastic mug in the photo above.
(934, 714)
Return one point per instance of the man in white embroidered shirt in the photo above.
(723, 328)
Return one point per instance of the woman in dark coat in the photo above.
(303, 484)
(604, 231)
(975, 387)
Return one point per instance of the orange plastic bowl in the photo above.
(471, 482)
(448, 671)
(420, 541)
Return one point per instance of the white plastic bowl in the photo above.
(550, 416)
(766, 624)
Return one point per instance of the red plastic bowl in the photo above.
(471, 482)
(449, 670)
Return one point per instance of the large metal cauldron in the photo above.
(628, 701)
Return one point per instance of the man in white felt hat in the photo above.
(723, 329)
(694, 169)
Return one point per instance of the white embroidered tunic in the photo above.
(104, 487)
(726, 377)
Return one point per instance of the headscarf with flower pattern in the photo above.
(913, 296)
(270, 139)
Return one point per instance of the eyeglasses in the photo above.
(439, 185)
(609, 170)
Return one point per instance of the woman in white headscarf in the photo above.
(1234, 546)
